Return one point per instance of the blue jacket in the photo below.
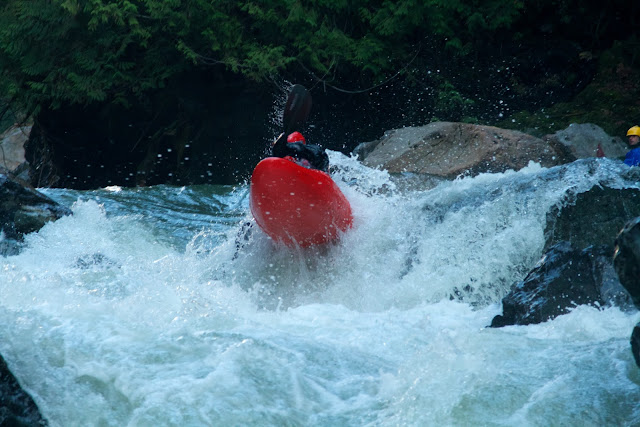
(633, 157)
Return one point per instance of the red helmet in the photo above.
(296, 137)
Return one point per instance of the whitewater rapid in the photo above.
(156, 307)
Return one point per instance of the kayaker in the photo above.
(296, 149)
(633, 156)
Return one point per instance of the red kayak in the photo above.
(296, 205)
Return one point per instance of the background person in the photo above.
(633, 156)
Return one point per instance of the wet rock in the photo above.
(626, 259)
(563, 279)
(635, 343)
(17, 408)
(447, 149)
(593, 217)
(587, 140)
(23, 210)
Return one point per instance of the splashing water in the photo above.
(160, 306)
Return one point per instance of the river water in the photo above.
(156, 307)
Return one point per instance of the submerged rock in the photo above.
(563, 279)
(95, 261)
(16, 405)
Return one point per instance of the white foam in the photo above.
(106, 321)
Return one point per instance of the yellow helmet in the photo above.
(634, 131)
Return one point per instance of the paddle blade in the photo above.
(297, 109)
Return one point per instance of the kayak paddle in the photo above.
(296, 111)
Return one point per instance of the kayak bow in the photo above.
(296, 205)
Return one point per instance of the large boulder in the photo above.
(563, 279)
(588, 140)
(581, 272)
(449, 149)
(23, 210)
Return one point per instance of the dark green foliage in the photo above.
(58, 53)
(450, 103)
(611, 100)
(78, 52)
(55, 52)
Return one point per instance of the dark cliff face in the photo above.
(208, 126)
(197, 130)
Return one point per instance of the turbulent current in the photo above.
(164, 306)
